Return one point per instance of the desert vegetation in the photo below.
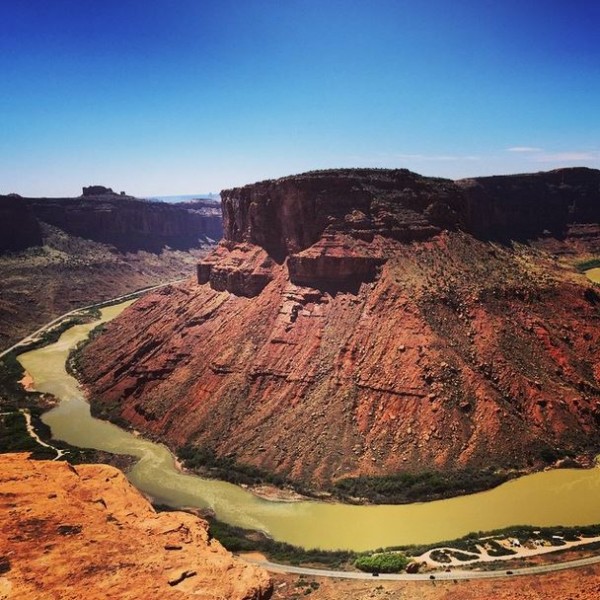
(384, 562)
(411, 487)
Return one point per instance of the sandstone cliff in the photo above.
(324, 223)
(350, 323)
(130, 224)
(510, 207)
(84, 533)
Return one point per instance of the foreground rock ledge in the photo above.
(84, 533)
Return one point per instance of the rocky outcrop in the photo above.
(305, 217)
(97, 190)
(336, 262)
(84, 532)
(380, 336)
(19, 228)
(242, 269)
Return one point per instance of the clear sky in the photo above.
(184, 96)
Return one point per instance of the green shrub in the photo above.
(200, 458)
(407, 487)
(386, 562)
(462, 556)
(237, 539)
(14, 437)
(496, 549)
(440, 556)
(586, 265)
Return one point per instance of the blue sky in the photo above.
(181, 96)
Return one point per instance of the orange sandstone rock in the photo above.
(84, 533)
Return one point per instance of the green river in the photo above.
(558, 497)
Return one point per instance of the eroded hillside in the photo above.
(351, 324)
(57, 254)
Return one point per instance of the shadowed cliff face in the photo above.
(360, 329)
(19, 228)
(520, 207)
(130, 224)
(290, 214)
(127, 223)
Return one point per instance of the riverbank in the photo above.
(22, 407)
(399, 488)
(305, 524)
(482, 550)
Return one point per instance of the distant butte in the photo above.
(369, 322)
(98, 190)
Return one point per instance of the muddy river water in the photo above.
(557, 497)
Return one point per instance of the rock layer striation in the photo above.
(367, 322)
(129, 224)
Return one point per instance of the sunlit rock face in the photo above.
(86, 532)
(325, 224)
(365, 322)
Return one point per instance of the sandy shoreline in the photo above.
(519, 552)
(27, 382)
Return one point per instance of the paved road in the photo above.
(31, 336)
(438, 576)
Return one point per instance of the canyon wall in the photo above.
(60, 253)
(520, 207)
(325, 222)
(130, 224)
(351, 324)
(19, 228)
(290, 214)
